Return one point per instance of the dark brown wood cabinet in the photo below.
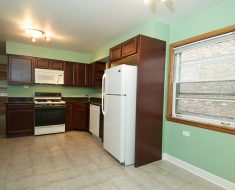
(69, 118)
(150, 60)
(80, 75)
(19, 119)
(129, 47)
(77, 116)
(125, 49)
(115, 53)
(20, 70)
(42, 63)
(83, 75)
(49, 64)
(150, 93)
(75, 74)
(95, 73)
(69, 74)
(57, 65)
(81, 116)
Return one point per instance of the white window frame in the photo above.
(177, 52)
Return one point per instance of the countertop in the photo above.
(19, 100)
(25, 100)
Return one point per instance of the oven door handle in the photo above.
(50, 107)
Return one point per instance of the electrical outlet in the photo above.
(186, 133)
(26, 86)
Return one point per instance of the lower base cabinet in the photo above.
(69, 121)
(19, 119)
(77, 116)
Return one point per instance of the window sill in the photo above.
(202, 125)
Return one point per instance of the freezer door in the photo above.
(114, 81)
(114, 126)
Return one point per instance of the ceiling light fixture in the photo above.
(35, 34)
(148, 1)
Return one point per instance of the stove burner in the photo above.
(43, 98)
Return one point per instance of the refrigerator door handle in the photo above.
(103, 89)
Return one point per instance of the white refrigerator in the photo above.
(119, 110)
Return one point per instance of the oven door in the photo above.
(49, 119)
(49, 115)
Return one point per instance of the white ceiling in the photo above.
(85, 25)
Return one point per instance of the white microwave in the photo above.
(48, 76)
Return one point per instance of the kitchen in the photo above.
(81, 144)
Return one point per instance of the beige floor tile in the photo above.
(77, 161)
(45, 179)
(74, 183)
(17, 174)
(43, 169)
(20, 184)
(19, 164)
(2, 184)
(50, 186)
(3, 172)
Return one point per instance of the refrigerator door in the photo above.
(113, 83)
(114, 126)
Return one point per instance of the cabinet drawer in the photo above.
(81, 105)
(129, 47)
(15, 106)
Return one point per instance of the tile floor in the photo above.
(77, 161)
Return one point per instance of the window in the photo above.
(203, 81)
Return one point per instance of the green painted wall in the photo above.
(27, 91)
(153, 29)
(35, 51)
(209, 150)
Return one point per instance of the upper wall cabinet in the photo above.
(95, 73)
(80, 75)
(49, 64)
(115, 53)
(69, 74)
(127, 48)
(21, 70)
(84, 75)
(75, 74)
(42, 63)
(57, 65)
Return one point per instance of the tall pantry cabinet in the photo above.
(149, 56)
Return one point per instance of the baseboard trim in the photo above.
(199, 172)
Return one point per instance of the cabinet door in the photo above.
(115, 53)
(19, 120)
(81, 116)
(90, 75)
(98, 72)
(80, 75)
(129, 47)
(42, 63)
(69, 74)
(21, 70)
(57, 65)
(69, 119)
(3, 72)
